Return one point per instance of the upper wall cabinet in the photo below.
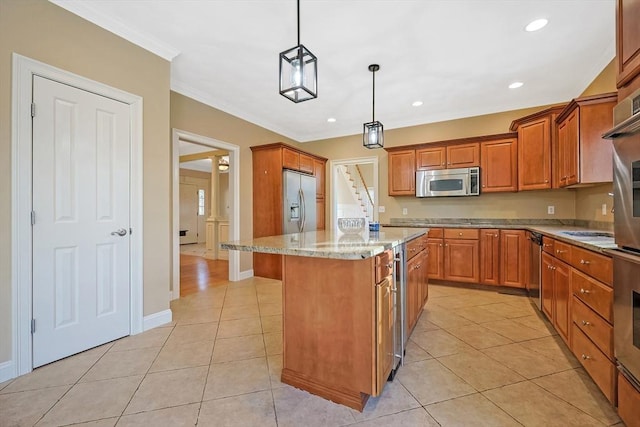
(498, 166)
(402, 173)
(583, 157)
(448, 156)
(455, 153)
(537, 139)
(628, 41)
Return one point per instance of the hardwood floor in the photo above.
(199, 273)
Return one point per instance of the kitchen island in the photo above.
(338, 309)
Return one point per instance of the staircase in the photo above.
(358, 188)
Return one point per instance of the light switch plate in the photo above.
(381, 209)
(404, 211)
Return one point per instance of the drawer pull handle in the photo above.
(546, 245)
(585, 262)
(585, 291)
(585, 357)
(390, 265)
(585, 323)
(558, 251)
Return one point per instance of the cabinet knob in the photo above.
(585, 262)
(440, 244)
(546, 180)
(483, 185)
(585, 357)
(585, 323)
(495, 235)
(460, 234)
(585, 291)
(558, 251)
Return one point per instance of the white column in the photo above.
(212, 226)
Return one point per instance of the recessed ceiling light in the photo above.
(536, 25)
(331, 120)
(515, 85)
(417, 103)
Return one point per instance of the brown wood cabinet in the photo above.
(597, 365)
(345, 363)
(627, 41)
(490, 256)
(461, 255)
(417, 280)
(513, 258)
(556, 293)
(448, 156)
(537, 139)
(435, 248)
(583, 156)
(402, 173)
(499, 165)
(268, 163)
(628, 402)
(431, 158)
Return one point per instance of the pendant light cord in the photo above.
(373, 113)
(298, 22)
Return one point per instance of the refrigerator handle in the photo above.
(304, 211)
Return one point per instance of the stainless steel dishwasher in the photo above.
(534, 282)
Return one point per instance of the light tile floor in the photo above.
(476, 357)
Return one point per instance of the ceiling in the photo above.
(456, 56)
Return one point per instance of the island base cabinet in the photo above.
(332, 337)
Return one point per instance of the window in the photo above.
(201, 202)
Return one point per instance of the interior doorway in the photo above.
(217, 228)
(354, 188)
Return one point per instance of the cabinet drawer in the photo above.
(461, 233)
(628, 402)
(593, 293)
(562, 251)
(384, 265)
(415, 246)
(596, 265)
(596, 328)
(548, 245)
(599, 367)
(435, 233)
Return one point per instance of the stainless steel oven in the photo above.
(626, 259)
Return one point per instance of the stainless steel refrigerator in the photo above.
(299, 202)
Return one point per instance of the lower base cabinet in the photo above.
(556, 294)
(628, 402)
(461, 260)
(417, 284)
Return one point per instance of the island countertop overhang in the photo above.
(328, 244)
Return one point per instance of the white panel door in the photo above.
(188, 213)
(81, 282)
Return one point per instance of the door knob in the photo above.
(120, 232)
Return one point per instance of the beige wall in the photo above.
(42, 31)
(195, 117)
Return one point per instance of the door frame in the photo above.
(21, 199)
(333, 167)
(234, 191)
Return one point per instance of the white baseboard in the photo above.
(245, 274)
(7, 371)
(157, 319)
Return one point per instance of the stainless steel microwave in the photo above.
(448, 182)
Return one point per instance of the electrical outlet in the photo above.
(604, 209)
(551, 210)
(381, 209)
(404, 211)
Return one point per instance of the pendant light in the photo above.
(373, 136)
(298, 72)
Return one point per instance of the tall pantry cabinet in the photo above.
(268, 163)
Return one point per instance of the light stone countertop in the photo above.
(327, 244)
(555, 229)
